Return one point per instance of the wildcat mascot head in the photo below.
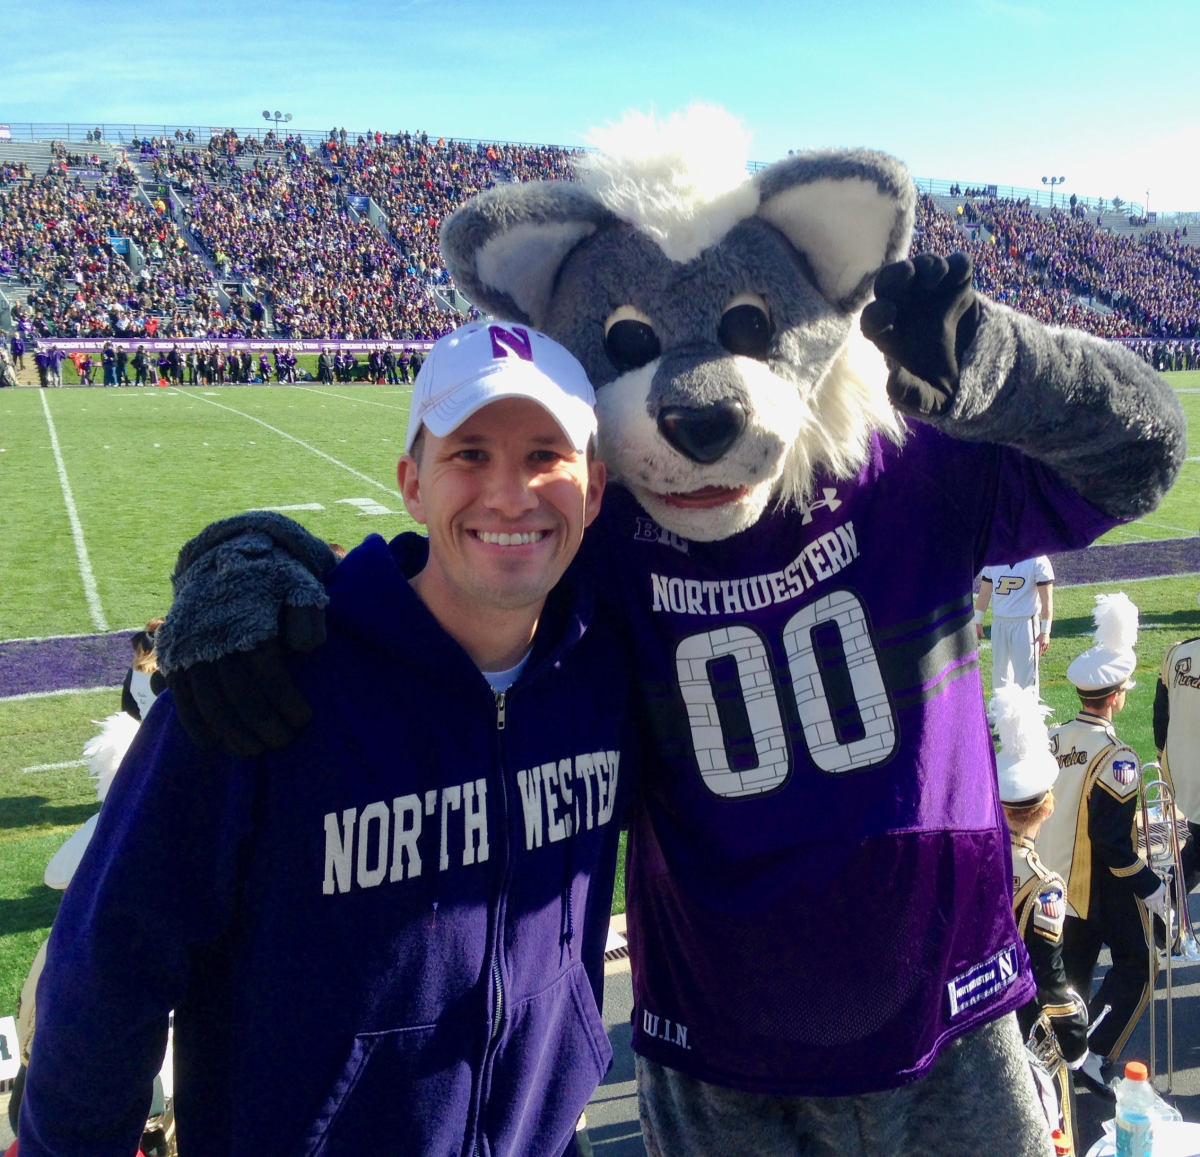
(716, 312)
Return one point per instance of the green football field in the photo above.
(100, 487)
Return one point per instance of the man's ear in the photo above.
(848, 211)
(504, 248)
(410, 488)
(597, 476)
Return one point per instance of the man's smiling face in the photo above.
(505, 498)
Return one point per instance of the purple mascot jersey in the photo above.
(819, 883)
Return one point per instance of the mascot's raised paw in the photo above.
(923, 318)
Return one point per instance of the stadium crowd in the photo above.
(1060, 267)
(284, 227)
(56, 236)
(418, 182)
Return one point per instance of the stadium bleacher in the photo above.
(183, 234)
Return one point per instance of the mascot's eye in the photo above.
(630, 338)
(745, 326)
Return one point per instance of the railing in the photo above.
(119, 135)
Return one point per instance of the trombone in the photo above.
(1159, 843)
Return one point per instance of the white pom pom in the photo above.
(105, 750)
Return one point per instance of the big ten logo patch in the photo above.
(647, 530)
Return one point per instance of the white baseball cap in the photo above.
(486, 361)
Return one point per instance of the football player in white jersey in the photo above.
(1022, 599)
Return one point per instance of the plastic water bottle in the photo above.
(1135, 1112)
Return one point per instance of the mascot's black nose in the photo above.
(703, 433)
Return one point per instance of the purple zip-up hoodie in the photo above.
(386, 938)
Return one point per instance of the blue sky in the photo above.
(1103, 93)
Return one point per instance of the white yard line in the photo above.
(55, 766)
(345, 397)
(391, 490)
(1146, 578)
(1129, 535)
(64, 691)
(85, 566)
(1186, 532)
(51, 638)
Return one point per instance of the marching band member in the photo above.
(1177, 739)
(1090, 842)
(1027, 772)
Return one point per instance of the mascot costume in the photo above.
(819, 880)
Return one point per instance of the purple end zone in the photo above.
(38, 665)
(1135, 560)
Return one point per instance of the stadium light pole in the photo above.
(1052, 181)
(276, 117)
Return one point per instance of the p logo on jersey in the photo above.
(1009, 583)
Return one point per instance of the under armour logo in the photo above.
(829, 500)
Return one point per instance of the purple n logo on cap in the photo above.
(515, 339)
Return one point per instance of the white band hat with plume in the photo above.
(1024, 766)
(1107, 665)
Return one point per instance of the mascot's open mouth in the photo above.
(706, 496)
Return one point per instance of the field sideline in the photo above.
(100, 487)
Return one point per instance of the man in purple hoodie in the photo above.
(389, 937)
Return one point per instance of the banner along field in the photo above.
(100, 487)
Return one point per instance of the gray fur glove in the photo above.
(248, 590)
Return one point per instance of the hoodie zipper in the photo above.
(497, 981)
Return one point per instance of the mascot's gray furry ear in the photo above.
(505, 247)
(850, 212)
(847, 212)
